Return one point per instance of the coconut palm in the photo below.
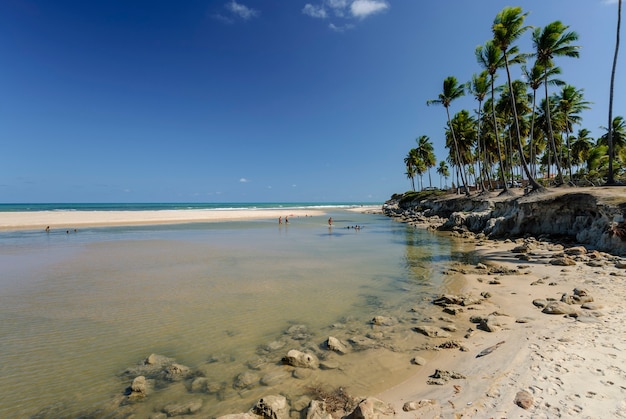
(553, 41)
(443, 171)
(610, 177)
(426, 154)
(507, 27)
(464, 128)
(490, 58)
(451, 91)
(411, 161)
(618, 131)
(535, 78)
(479, 86)
(581, 146)
(571, 103)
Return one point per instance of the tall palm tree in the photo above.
(451, 91)
(571, 103)
(443, 171)
(479, 86)
(610, 177)
(553, 41)
(490, 58)
(411, 162)
(507, 27)
(426, 153)
(535, 78)
(464, 128)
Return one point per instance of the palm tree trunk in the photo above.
(611, 180)
(495, 128)
(531, 179)
(458, 155)
(550, 132)
(533, 163)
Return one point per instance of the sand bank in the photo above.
(78, 219)
(567, 366)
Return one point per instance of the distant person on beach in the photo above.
(48, 229)
(330, 221)
(280, 220)
(286, 219)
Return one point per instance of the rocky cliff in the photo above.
(590, 216)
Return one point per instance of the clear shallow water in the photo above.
(77, 310)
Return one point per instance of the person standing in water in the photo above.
(330, 221)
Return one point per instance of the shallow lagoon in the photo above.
(78, 309)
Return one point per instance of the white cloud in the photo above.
(242, 11)
(314, 11)
(243, 180)
(342, 28)
(345, 10)
(365, 8)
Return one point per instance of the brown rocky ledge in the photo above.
(590, 216)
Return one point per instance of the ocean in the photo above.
(79, 312)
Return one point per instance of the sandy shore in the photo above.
(565, 366)
(79, 219)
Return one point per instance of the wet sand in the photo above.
(562, 366)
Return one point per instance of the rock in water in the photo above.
(296, 358)
(272, 407)
(335, 344)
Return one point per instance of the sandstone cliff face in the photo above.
(582, 216)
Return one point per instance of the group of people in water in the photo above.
(330, 222)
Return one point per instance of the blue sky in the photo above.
(249, 100)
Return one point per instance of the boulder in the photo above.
(176, 372)
(558, 307)
(563, 261)
(431, 331)
(139, 385)
(272, 407)
(335, 345)
(295, 358)
(418, 360)
(576, 251)
(414, 405)
(524, 399)
(372, 408)
(317, 410)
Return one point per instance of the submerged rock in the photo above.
(431, 332)
(296, 358)
(272, 407)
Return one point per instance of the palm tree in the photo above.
(549, 42)
(451, 91)
(464, 128)
(479, 86)
(581, 146)
(426, 154)
(618, 131)
(443, 171)
(490, 58)
(507, 28)
(535, 79)
(411, 161)
(610, 177)
(571, 103)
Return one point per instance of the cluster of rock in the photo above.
(577, 215)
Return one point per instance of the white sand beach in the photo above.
(556, 366)
(76, 219)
